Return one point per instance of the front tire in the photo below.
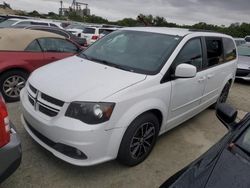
(11, 83)
(139, 140)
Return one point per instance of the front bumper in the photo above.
(94, 142)
(10, 156)
(243, 74)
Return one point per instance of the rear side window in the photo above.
(191, 53)
(229, 49)
(33, 47)
(214, 51)
(53, 25)
(39, 23)
(57, 45)
(89, 31)
(24, 23)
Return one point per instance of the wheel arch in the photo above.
(15, 69)
(154, 106)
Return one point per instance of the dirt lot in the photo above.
(173, 151)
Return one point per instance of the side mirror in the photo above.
(185, 71)
(227, 115)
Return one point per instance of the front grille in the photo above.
(32, 102)
(34, 90)
(52, 100)
(44, 103)
(242, 72)
(47, 111)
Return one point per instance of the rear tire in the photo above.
(223, 96)
(11, 83)
(139, 140)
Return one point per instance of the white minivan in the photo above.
(115, 98)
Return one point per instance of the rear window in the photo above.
(229, 49)
(89, 31)
(33, 47)
(7, 23)
(105, 31)
(247, 39)
(39, 23)
(53, 25)
(24, 23)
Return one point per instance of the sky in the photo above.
(220, 12)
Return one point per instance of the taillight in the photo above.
(4, 124)
(95, 37)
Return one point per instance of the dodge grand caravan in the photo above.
(115, 98)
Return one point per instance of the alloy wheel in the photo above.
(143, 140)
(13, 85)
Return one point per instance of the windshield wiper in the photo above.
(112, 64)
(84, 56)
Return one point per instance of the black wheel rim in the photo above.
(224, 94)
(142, 141)
(13, 85)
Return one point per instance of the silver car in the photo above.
(243, 70)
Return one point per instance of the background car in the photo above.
(106, 31)
(243, 69)
(226, 164)
(75, 29)
(10, 145)
(247, 39)
(22, 51)
(92, 34)
(15, 22)
(62, 32)
(240, 41)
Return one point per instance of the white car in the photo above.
(15, 22)
(240, 41)
(92, 34)
(114, 99)
(76, 29)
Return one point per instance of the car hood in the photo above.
(232, 170)
(225, 170)
(244, 62)
(77, 79)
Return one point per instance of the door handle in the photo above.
(202, 79)
(210, 76)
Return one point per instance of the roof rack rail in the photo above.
(203, 30)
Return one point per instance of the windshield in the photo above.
(141, 52)
(7, 23)
(244, 51)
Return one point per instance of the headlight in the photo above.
(90, 112)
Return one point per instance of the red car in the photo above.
(10, 144)
(22, 51)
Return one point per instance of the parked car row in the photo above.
(85, 34)
(243, 70)
(33, 50)
(16, 22)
